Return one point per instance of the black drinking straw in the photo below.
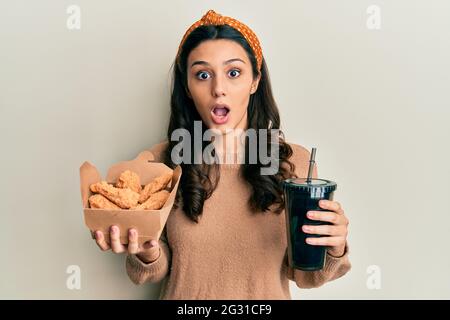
(311, 165)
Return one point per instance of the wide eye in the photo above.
(234, 73)
(202, 75)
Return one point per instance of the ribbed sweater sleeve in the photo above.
(140, 272)
(335, 267)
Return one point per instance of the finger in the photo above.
(151, 250)
(329, 230)
(326, 241)
(116, 246)
(151, 245)
(331, 205)
(100, 240)
(327, 216)
(133, 246)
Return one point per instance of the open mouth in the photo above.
(220, 113)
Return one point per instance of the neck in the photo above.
(229, 146)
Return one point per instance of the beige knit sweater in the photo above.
(231, 253)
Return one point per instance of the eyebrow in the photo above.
(201, 62)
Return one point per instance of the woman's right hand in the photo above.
(147, 252)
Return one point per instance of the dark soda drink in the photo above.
(303, 195)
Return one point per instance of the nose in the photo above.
(218, 87)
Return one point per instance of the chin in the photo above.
(223, 129)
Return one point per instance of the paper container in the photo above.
(149, 223)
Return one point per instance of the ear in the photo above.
(255, 84)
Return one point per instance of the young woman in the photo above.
(226, 236)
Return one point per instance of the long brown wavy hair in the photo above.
(199, 181)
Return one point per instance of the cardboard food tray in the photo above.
(149, 223)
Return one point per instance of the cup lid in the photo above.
(301, 184)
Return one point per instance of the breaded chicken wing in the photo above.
(156, 185)
(155, 202)
(129, 179)
(100, 202)
(124, 198)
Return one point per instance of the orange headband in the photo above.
(213, 18)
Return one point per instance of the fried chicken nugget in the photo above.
(100, 202)
(124, 198)
(156, 185)
(155, 202)
(129, 179)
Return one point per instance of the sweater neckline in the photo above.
(230, 166)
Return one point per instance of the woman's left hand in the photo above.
(336, 232)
